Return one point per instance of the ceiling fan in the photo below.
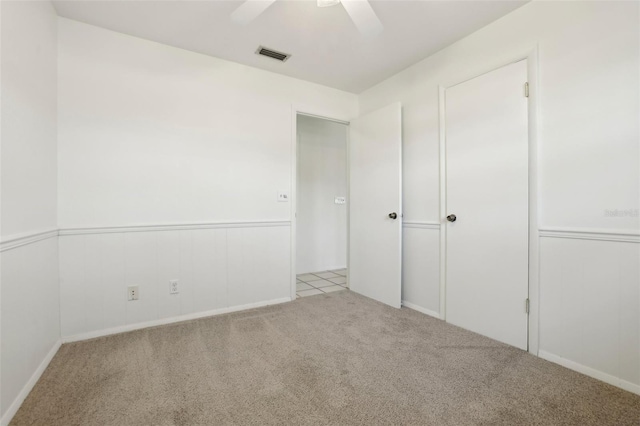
(360, 12)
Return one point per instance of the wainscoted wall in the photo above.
(220, 268)
(590, 304)
(152, 134)
(421, 267)
(589, 296)
(585, 169)
(29, 307)
(30, 314)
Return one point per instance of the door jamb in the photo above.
(531, 55)
(309, 112)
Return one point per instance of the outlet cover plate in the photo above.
(133, 292)
(174, 286)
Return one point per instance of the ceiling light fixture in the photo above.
(327, 3)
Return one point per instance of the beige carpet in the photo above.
(336, 359)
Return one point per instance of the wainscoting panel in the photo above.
(258, 264)
(590, 307)
(208, 272)
(217, 268)
(30, 315)
(421, 267)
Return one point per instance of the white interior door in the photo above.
(375, 216)
(487, 180)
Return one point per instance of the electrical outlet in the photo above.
(173, 287)
(340, 200)
(133, 292)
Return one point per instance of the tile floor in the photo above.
(321, 282)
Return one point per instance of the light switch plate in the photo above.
(340, 200)
(283, 196)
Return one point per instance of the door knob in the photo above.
(393, 215)
(451, 218)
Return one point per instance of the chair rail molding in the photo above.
(19, 240)
(421, 224)
(596, 234)
(171, 227)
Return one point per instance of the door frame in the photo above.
(297, 110)
(531, 56)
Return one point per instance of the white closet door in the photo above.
(487, 184)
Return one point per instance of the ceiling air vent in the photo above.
(279, 56)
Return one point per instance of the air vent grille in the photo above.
(270, 53)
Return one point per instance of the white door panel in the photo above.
(375, 240)
(487, 189)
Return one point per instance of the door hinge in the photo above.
(526, 90)
(526, 305)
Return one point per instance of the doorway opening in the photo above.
(322, 187)
(372, 206)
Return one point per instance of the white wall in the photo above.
(154, 135)
(321, 239)
(588, 54)
(28, 117)
(588, 163)
(30, 324)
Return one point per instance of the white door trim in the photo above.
(310, 112)
(531, 55)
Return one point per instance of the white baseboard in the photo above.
(170, 320)
(591, 372)
(421, 309)
(15, 405)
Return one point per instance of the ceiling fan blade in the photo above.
(250, 10)
(363, 16)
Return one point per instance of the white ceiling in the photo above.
(326, 47)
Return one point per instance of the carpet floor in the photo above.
(331, 359)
